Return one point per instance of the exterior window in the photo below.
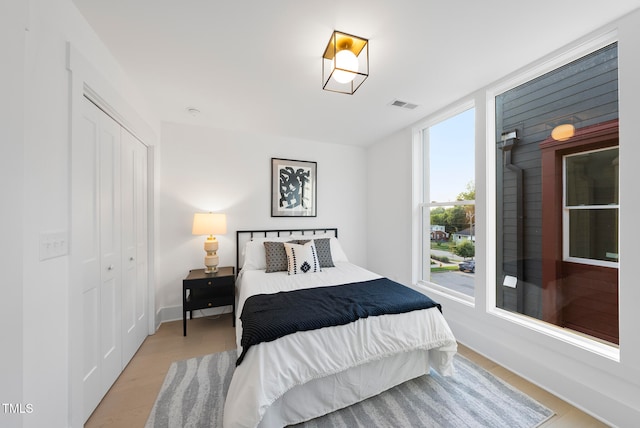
(591, 207)
(448, 213)
(557, 198)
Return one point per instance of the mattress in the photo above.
(307, 374)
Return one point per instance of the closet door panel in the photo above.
(110, 295)
(142, 243)
(134, 255)
(86, 250)
(85, 201)
(92, 380)
(129, 275)
(96, 249)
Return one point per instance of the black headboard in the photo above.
(243, 236)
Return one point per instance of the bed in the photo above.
(301, 375)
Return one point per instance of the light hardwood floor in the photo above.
(129, 401)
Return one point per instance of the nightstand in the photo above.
(202, 290)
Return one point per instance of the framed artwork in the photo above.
(293, 188)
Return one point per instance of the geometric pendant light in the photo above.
(345, 63)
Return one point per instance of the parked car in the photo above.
(469, 266)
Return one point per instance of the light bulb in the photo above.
(563, 132)
(346, 60)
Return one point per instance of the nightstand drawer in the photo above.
(209, 302)
(217, 290)
(212, 282)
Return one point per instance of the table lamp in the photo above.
(210, 224)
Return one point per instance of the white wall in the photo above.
(388, 213)
(206, 169)
(13, 17)
(40, 92)
(606, 388)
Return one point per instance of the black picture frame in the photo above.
(293, 188)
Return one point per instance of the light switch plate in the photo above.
(53, 244)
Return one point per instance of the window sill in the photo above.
(578, 340)
(439, 290)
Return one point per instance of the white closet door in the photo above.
(111, 268)
(142, 245)
(134, 245)
(86, 250)
(96, 214)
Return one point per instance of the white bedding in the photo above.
(363, 358)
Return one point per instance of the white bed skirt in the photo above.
(325, 395)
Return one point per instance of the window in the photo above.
(557, 196)
(448, 210)
(591, 207)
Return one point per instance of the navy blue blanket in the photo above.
(267, 317)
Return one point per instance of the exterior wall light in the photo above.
(563, 132)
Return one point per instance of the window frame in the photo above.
(421, 141)
(545, 65)
(566, 213)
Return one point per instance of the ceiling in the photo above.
(256, 65)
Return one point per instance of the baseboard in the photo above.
(174, 313)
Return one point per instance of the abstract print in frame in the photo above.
(293, 188)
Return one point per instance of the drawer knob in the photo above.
(209, 282)
(209, 304)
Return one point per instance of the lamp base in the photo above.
(211, 261)
(213, 269)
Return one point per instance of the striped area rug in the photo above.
(193, 396)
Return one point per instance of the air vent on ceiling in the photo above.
(403, 104)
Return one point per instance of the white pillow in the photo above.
(302, 258)
(337, 253)
(255, 257)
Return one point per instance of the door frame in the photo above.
(588, 138)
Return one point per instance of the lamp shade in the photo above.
(209, 224)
